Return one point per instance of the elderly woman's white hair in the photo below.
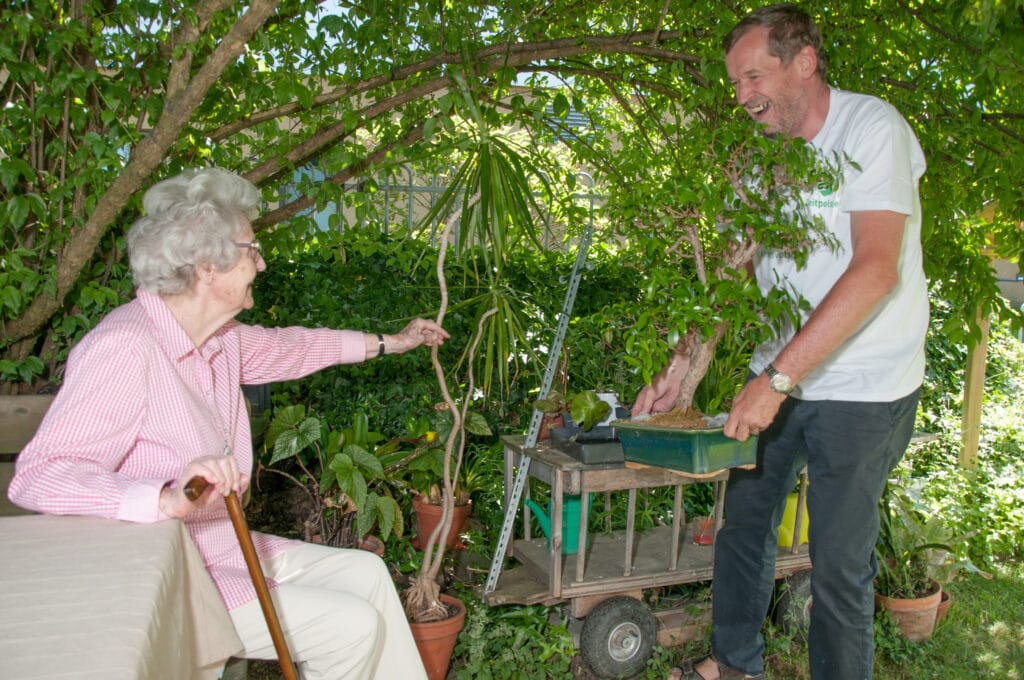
(190, 220)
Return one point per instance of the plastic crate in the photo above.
(694, 451)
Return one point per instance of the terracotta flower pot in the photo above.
(704, 530)
(943, 609)
(428, 516)
(436, 639)
(916, 617)
(548, 422)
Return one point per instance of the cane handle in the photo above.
(195, 488)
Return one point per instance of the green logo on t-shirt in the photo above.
(819, 200)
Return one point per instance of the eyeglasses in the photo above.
(254, 248)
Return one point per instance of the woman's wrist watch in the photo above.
(778, 381)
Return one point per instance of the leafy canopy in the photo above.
(101, 99)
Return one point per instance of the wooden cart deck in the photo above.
(614, 562)
(528, 583)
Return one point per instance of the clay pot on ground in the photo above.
(704, 530)
(944, 603)
(916, 617)
(428, 516)
(436, 639)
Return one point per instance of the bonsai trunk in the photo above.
(737, 257)
(699, 355)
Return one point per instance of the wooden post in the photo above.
(20, 415)
(974, 396)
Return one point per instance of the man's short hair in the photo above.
(790, 29)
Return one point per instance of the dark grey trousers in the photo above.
(849, 449)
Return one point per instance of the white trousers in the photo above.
(340, 613)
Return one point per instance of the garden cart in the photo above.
(602, 576)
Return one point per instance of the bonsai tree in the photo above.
(703, 218)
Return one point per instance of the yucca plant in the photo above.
(423, 597)
(491, 206)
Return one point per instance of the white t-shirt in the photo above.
(884, 359)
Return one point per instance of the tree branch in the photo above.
(145, 158)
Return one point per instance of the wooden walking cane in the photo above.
(193, 490)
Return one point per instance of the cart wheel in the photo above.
(793, 604)
(618, 637)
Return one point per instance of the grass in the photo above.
(982, 637)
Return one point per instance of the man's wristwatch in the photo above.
(779, 382)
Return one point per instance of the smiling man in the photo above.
(837, 392)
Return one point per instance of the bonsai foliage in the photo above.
(699, 247)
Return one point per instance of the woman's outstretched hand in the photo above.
(417, 332)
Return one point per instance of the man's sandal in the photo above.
(689, 671)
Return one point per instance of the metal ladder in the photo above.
(522, 474)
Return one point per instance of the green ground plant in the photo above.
(917, 551)
(348, 473)
(513, 642)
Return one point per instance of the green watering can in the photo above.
(570, 521)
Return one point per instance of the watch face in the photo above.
(781, 383)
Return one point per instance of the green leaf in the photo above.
(587, 410)
(285, 419)
(429, 127)
(349, 479)
(364, 459)
(389, 517)
(477, 424)
(560, 105)
(360, 428)
(367, 515)
(288, 443)
(11, 297)
(12, 171)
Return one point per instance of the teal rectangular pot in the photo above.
(694, 451)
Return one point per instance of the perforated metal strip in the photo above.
(522, 473)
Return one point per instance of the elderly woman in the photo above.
(151, 398)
